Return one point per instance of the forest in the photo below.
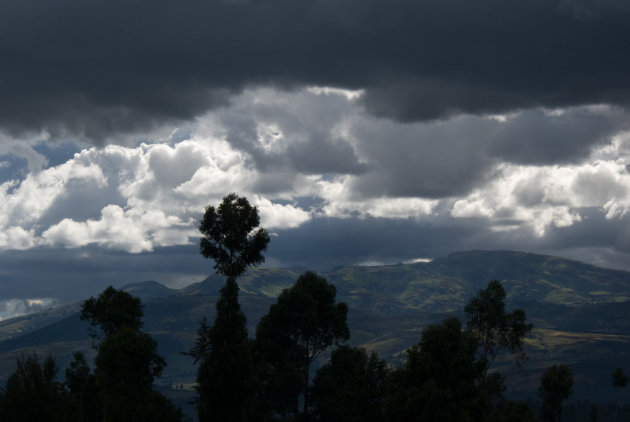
(449, 375)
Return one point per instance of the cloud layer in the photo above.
(364, 131)
(518, 180)
(102, 71)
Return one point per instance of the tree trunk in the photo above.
(616, 404)
(306, 376)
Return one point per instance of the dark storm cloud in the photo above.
(426, 160)
(392, 241)
(322, 244)
(324, 155)
(594, 231)
(325, 243)
(536, 137)
(96, 69)
(74, 274)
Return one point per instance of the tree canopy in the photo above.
(350, 387)
(495, 328)
(83, 393)
(438, 380)
(127, 361)
(127, 364)
(302, 324)
(619, 378)
(111, 311)
(32, 393)
(121, 387)
(556, 384)
(231, 236)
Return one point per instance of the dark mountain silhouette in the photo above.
(147, 290)
(581, 313)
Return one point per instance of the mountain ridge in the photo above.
(388, 308)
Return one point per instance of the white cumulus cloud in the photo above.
(313, 153)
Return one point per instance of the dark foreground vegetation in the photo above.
(119, 389)
(449, 375)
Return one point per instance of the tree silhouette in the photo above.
(350, 387)
(495, 329)
(556, 384)
(82, 390)
(232, 238)
(511, 411)
(127, 361)
(112, 310)
(437, 382)
(201, 349)
(126, 366)
(224, 377)
(302, 324)
(619, 381)
(32, 393)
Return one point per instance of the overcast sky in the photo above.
(365, 131)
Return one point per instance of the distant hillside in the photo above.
(446, 284)
(581, 312)
(260, 281)
(540, 278)
(147, 290)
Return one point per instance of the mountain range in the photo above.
(580, 312)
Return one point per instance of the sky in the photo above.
(365, 131)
